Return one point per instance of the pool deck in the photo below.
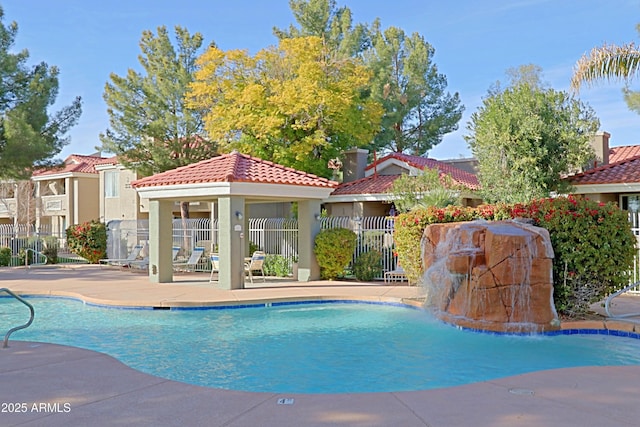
(67, 386)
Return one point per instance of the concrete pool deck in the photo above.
(52, 385)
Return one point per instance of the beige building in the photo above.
(95, 187)
(67, 195)
(615, 176)
(365, 189)
(17, 204)
(117, 200)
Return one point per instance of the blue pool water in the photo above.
(307, 348)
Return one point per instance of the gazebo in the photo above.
(233, 181)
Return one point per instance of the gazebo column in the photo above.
(231, 241)
(160, 241)
(308, 228)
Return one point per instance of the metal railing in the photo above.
(634, 221)
(275, 236)
(20, 237)
(17, 328)
(35, 258)
(607, 302)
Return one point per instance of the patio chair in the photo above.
(142, 265)
(215, 266)
(191, 263)
(395, 275)
(255, 263)
(133, 255)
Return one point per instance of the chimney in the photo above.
(600, 144)
(355, 161)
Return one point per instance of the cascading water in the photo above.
(490, 275)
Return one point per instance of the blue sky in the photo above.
(476, 41)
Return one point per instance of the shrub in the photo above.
(594, 249)
(334, 249)
(408, 230)
(50, 249)
(593, 244)
(253, 247)
(26, 257)
(372, 240)
(276, 265)
(368, 266)
(88, 240)
(5, 256)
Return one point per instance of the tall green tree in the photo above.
(294, 104)
(322, 18)
(418, 110)
(426, 189)
(526, 137)
(152, 130)
(30, 137)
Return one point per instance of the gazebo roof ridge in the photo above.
(234, 167)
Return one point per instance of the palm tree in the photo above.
(607, 62)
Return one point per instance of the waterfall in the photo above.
(490, 275)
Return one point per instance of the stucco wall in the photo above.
(86, 200)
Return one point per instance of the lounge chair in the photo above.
(191, 263)
(143, 264)
(133, 255)
(215, 266)
(140, 265)
(397, 275)
(255, 264)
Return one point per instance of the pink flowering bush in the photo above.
(594, 249)
(88, 240)
(593, 243)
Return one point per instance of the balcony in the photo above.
(8, 207)
(54, 205)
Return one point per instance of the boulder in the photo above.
(495, 276)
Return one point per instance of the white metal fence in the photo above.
(277, 236)
(22, 236)
(373, 233)
(634, 220)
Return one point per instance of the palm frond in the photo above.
(608, 62)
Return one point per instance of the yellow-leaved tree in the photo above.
(296, 104)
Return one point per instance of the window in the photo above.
(111, 183)
(630, 202)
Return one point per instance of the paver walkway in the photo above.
(52, 385)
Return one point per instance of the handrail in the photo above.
(26, 258)
(618, 293)
(17, 328)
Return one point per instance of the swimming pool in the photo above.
(307, 348)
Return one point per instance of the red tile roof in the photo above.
(234, 167)
(113, 160)
(459, 176)
(370, 185)
(74, 163)
(624, 171)
(623, 152)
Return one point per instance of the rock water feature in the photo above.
(494, 276)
